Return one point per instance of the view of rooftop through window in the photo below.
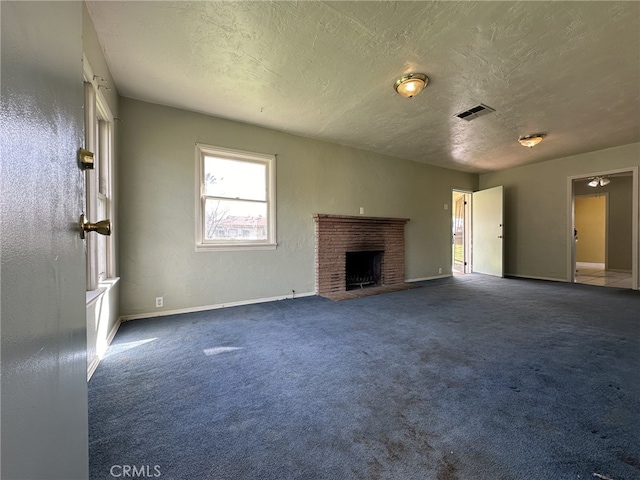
(236, 199)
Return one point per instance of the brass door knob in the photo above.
(103, 227)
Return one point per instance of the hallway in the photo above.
(595, 274)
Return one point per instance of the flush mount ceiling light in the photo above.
(531, 140)
(598, 181)
(411, 84)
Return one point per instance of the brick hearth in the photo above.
(338, 234)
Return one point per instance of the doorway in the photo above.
(461, 232)
(477, 243)
(604, 233)
(590, 219)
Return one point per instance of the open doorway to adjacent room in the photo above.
(604, 231)
(461, 232)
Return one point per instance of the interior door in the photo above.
(487, 231)
(44, 387)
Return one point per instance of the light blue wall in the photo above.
(157, 205)
(537, 218)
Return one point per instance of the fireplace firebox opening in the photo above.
(363, 269)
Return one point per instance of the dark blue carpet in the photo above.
(470, 377)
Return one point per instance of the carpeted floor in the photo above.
(469, 377)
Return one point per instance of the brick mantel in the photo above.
(338, 234)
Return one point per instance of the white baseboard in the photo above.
(113, 331)
(92, 368)
(550, 279)
(204, 308)
(597, 266)
(96, 361)
(532, 277)
(422, 279)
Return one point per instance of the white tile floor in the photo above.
(595, 274)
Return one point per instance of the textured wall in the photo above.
(93, 51)
(536, 212)
(157, 202)
(44, 363)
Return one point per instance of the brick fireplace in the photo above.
(338, 234)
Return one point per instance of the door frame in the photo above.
(468, 197)
(571, 251)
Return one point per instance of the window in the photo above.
(103, 193)
(235, 207)
(99, 198)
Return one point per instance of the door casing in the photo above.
(466, 228)
(571, 254)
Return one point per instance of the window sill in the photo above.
(203, 247)
(103, 286)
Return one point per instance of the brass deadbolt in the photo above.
(85, 159)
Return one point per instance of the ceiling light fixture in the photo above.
(598, 181)
(531, 140)
(411, 84)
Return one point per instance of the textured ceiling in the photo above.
(326, 70)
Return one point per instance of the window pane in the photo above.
(235, 179)
(103, 156)
(101, 241)
(235, 220)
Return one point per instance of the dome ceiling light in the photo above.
(531, 140)
(411, 84)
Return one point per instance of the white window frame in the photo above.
(204, 245)
(104, 193)
(100, 140)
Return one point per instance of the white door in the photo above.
(487, 226)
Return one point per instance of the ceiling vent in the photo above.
(475, 112)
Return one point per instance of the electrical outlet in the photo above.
(361, 210)
(159, 302)
(440, 270)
